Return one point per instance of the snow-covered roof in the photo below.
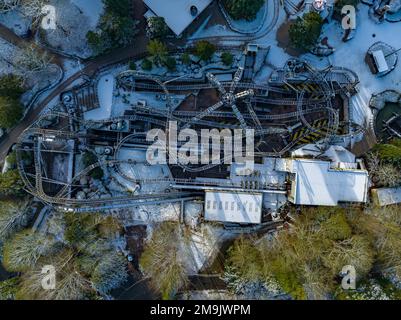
(177, 13)
(380, 61)
(316, 183)
(338, 155)
(233, 207)
(105, 89)
(388, 196)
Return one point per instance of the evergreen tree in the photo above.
(11, 86)
(122, 8)
(116, 27)
(204, 50)
(170, 63)
(11, 184)
(90, 158)
(10, 112)
(185, 58)
(243, 9)
(158, 51)
(227, 58)
(157, 28)
(146, 65)
(305, 31)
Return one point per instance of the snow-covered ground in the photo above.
(92, 9)
(33, 81)
(7, 54)
(75, 19)
(15, 21)
(352, 55)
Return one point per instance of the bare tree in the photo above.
(355, 251)
(161, 260)
(33, 9)
(110, 273)
(8, 5)
(31, 60)
(316, 283)
(70, 283)
(383, 174)
(24, 250)
(13, 217)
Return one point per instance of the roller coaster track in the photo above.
(263, 33)
(200, 86)
(143, 113)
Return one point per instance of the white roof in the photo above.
(318, 184)
(177, 13)
(380, 61)
(388, 196)
(233, 207)
(105, 88)
(339, 156)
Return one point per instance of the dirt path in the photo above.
(8, 35)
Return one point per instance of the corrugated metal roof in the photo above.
(233, 207)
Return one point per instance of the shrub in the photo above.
(185, 58)
(171, 63)
(146, 64)
(11, 86)
(227, 58)
(88, 159)
(158, 51)
(305, 32)
(390, 153)
(243, 9)
(132, 65)
(204, 50)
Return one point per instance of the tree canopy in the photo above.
(11, 86)
(116, 27)
(306, 261)
(161, 260)
(10, 112)
(243, 9)
(87, 263)
(158, 51)
(204, 50)
(11, 184)
(390, 152)
(306, 31)
(157, 28)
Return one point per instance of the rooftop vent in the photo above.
(194, 11)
